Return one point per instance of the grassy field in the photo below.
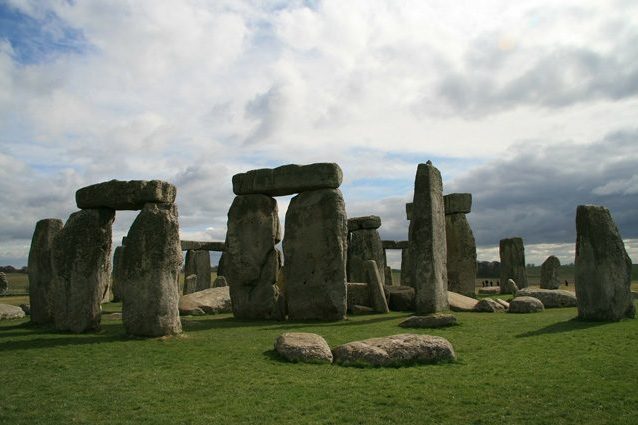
(516, 369)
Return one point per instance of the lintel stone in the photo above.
(125, 195)
(288, 179)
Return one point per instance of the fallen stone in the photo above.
(551, 298)
(489, 290)
(395, 350)
(512, 253)
(365, 222)
(488, 305)
(202, 246)
(26, 308)
(364, 245)
(375, 287)
(461, 255)
(210, 301)
(459, 302)
(549, 273)
(435, 320)
(357, 294)
(357, 310)
(603, 268)
(125, 195)
(504, 303)
(220, 282)
(10, 312)
(458, 203)
(288, 179)
(112, 316)
(303, 347)
(400, 298)
(526, 305)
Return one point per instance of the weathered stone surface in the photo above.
(251, 262)
(150, 268)
(357, 310)
(395, 244)
(400, 298)
(461, 255)
(125, 195)
(40, 269)
(551, 298)
(288, 179)
(81, 263)
(459, 302)
(388, 276)
(369, 222)
(434, 320)
(428, 253)
(211, 301)
(202, 246)
(375, 287)
(220, 282)
(315, 249)
(4, 283)
(357, 294)
(603, 268)
(526, 305)
(409, 209)
(549, 273)
(198, 263)
(9, 312)
(488, 305)
(395, 350)
(512, 254)
(458, 203)
(489, 290)
(112, 316)
(504, 303)
(190, 284)
(364, 245)
(26, 308)
(405, 268)
(116, 275)
(511, 287)
(303, 347)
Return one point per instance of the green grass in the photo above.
(514, 369)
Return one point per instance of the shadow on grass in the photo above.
(48, 337)
(567, 326)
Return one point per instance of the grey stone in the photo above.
(489, 290)
(549, 273)
(405, 268)
(10, 312)
(251, 262)
(40, 269)
(202, 246)
(190, 284)
(81, 264)
(365, 222)
(150, 268)
(288, 179)
(525, 305)
(26, 308)
(112, 316)
(357, 294)
(125, 195)
(488, 305)
(400, 298)
(357, 310)
(364, 245)
(388, 276)
(551, 298)
(395, 244)
(504, 303)
(220, 282)
(459, 302)
(434, 320)
(512, 253)
(511, 287)
(603, 268)
(116, 276)
(198, 263)
(303, 347)
(458, 203)
(428, 254)
(4, 283)
(409, 209)
(461, 255)
(315, 249)
(211, 301)
(395, 350)
(375, 287)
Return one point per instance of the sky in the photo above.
(531, 106)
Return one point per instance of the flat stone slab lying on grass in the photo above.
(435, 320)
(358, 310)
(460, 302)
(526, 305)
(551, 298)
(112, 316)
(211, 301)
(503, 303)
(488, 305)
(303, 347)
(125, 195)
(288, 179)
(490, 290)
(8, 312)
(395, 350)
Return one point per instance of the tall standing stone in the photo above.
(116, 276)
(512, 253)
(250, 261)
(549, 273)
(41, 270)
(461, 254)
(375, 287)
(603, 268)
(364, 244)
(150, 268)
(81, 263)
(315, 249)
(4, 283)
(405, 268)
(428, 254)
(198, 263)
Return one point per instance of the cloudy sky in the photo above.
(530, 105)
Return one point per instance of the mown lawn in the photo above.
(512, 369)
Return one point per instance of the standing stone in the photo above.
(198, 263)
(512, 254)
(405, 268)
(427, 242)
(190, 284)
(81, 263)
(315, 249)
(375, 287)
(220, 282)
(4, 283)
(364, 245)
(388, 276)
(116, 275)
(461, 255)
(603, 268)
(250, 260)
(549, 273)
(150, 268)
(41, 270)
